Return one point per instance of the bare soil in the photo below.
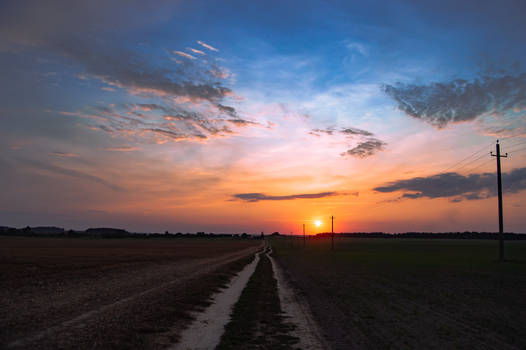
(63, 293)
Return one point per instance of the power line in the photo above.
(517, 150)
(517, 144)
(479, 166)
(468, 157)
(473, 161)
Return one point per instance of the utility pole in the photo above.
(304, 235)
(499, 185)
(332, 232)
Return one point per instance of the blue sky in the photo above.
(311, 105)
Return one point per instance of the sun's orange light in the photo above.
(317, 223)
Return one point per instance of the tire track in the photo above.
(189, 271)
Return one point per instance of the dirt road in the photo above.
(130, 303)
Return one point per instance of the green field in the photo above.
(411, 293)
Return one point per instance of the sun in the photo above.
(317, 223)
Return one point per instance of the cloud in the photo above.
(360, 48)
(70, 172)
(152, 107)
(179, 125)
(184, 54)
(121, 149)
(65, 154)
(227, 109)
(197, 51)
(460, 100)
(209, 47)
(317, 132)
(80, 38)
(366, 148)
(256, 197)
(355, 131)
(346, 131)
(457, 187)
(242, 122)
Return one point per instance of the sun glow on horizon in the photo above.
(317, 223)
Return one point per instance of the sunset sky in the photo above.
(250, 116)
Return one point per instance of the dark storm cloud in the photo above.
(457, 187)
(366, 148)
(460, 100)
(256, 197)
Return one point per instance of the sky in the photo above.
(251, 116)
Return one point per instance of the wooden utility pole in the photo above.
(304, 235)
(332, 232)
(499, 185)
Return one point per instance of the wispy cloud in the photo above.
(317, 132)
(358, 47)
(197, 51)
(122, 149)
(460, 100)
(65, 154)
(345, 131)
(457, 187)
(70, 172)
(143, 123)
(75, 38)
(184, 54)
(209, 47)
(356, 131)
(367, 145)
(366, 148)
(256, 197)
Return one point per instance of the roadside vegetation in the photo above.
(410, 293)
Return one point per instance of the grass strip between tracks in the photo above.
(257, 319)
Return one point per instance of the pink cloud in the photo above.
(183, 54)
(197, 51)
(209, 47)
(121, 149)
